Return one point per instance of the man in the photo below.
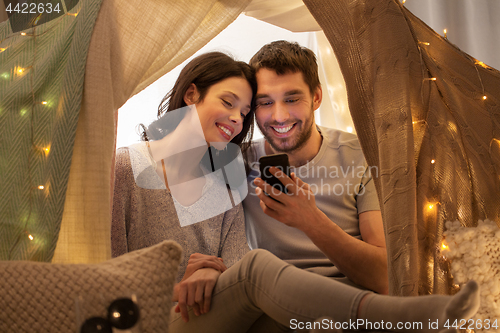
(330, 221)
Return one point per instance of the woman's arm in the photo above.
(121, 203)
(233, 245)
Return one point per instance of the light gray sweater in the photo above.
(144, 217)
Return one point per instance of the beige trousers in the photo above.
(262, 286)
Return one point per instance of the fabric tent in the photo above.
(413, 96)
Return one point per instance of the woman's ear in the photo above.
(191, 96)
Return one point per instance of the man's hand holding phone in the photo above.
(295, 208)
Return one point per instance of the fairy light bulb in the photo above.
(433, 161)
(445, 32)
(23, 34)
(444, 246)
(44, 103)
(41, 187)
(485, 98)
(349, 129)
(30, 237)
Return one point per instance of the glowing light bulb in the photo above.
(433, 161)
(444, 246)
(23, 34)
(349, 129)
(445, 31)
(425, 43)
(44, 103)
(20, 70)
(30, 237)
(482, 64)
(484, 97)
(430, 79)
(41, 187)
(47, 150)
(73, 14)
(404, 1)
(2, 49)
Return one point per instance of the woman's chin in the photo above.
(219, 145)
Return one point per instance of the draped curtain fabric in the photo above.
(41, 84)
(427, 115)
(134, 43)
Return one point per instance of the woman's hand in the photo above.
(195, 291)
(197, 261)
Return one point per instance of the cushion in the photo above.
(45, 297)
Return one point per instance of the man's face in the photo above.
(285, 109)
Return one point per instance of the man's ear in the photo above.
(191, 95)
(317, 97)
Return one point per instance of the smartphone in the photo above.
(278, 160)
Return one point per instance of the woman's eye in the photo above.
(228, 104)
(243, 115)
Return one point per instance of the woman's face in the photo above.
(223, 109)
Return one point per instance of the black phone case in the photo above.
(278, 160)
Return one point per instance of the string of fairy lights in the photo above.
(42, 150)
(431, 207)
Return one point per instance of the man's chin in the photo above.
(280, 146)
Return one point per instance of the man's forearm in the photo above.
(363, 263)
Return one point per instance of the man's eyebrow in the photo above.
(294, 92)
(288, 93)
(257, 96)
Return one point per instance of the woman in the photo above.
(168, 188)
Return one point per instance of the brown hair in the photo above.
(204, 71)
(285, 57)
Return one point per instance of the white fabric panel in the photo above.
(472, 25)
(288, 14)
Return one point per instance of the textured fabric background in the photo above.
(46, 64)
(405, 121)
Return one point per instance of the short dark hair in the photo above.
(287, 57)
(205, 71)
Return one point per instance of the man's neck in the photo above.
(305, 153)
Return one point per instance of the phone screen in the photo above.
(278, 160)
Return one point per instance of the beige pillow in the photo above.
(42, 297)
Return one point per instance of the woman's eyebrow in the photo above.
(233, 94)
(236, 97)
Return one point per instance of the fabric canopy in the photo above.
(133, 43)
(427, 115)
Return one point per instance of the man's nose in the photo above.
(280, 113)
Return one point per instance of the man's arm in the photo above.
(362, 261)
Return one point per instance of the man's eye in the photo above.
(291, 100)
(260, 104)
